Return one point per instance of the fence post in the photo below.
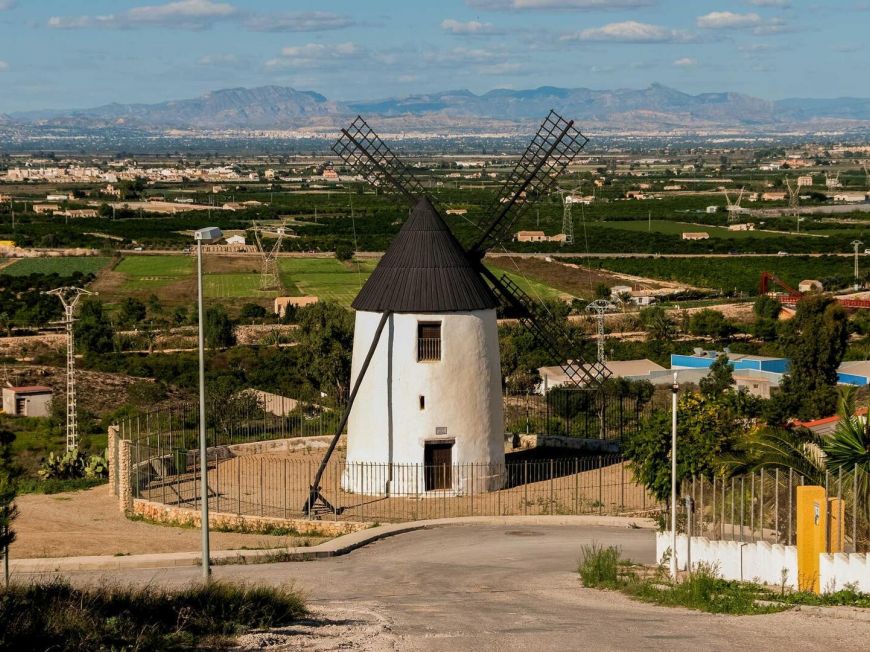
(552, 480)
(790, 504)
(125, 478)
(576, 486)
(776, 502)
(525, 486)
(113, 458)
(472, 489)
(622, 485)
(600, 484)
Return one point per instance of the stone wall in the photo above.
(182, 517)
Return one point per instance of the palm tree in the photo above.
(848, 447)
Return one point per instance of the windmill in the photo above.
(733, 207)
(430, 391)
(269, 277)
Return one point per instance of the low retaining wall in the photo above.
(595, 446)
(838, 569)
(185, 517)
(760, 561)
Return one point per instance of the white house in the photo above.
(235, 240)
(432, 393)
(27, 401)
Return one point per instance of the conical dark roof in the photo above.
(425, 269)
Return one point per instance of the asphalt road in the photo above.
(483, 587)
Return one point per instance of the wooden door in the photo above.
(438, 460)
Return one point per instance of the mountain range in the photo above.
(277, 107)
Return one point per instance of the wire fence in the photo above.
(761, 506)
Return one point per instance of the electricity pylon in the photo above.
(270, 278)
(793, 200)
(599, 307)
(69, 297)
(856, 245)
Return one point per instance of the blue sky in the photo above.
(76, 53)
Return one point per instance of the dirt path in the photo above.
(89, 523)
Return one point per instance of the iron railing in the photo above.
(428, 349)
(761, 506)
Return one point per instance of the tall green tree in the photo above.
(766, 311)
(720, 379)
(131, 311)
(326, 342)
(92, 329)
(219, 328)
(815, 341)
(707, 431)
(657, 323)
(710, 323)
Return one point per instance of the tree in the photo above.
(343, 251)
(848, 447)
(602, 291)
(657, 323)
(6, 323)
(710, 323)
(9, 473)
(766, 311)
(720, 379)
(219, 329)
(815, 341)
(179, 315)
(326, 342)
(707, 432)
(131, 311)
(251, 312)
(93, 331)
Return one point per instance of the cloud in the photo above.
(686, 62)
(728, 20)
(783, 4)
(181, 14)
(218, 60)
(308, 21)
(315, 55)
(4, 66)
(470, 28)
(557, 5)
(629, 31)
(7, 4)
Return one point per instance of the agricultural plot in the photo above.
(738, 273)
(232, 286)
(529, 282)
(152, 272)
(327, 278)
(66, 266)
(668, 227)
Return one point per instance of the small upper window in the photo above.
(428, 341)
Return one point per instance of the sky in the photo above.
(83, 53)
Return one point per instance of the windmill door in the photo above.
(438, 460)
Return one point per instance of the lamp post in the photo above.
(675, 390)
(207, 235)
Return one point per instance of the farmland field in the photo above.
(152, 272)
(327, 278)
(65, 266)
(728, 274)
(528, 282)
(230, 286)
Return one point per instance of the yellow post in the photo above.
(812, 521)
(836, 523)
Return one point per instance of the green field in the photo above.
(535, 289)
(153, 272)
(65, 266)
(668, 227)
(327, 278)
(231, 286)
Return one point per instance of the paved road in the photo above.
(481, 587)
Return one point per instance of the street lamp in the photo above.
(207, 235)
(675, 389)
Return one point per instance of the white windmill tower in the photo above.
(426, 374)
(733, 207)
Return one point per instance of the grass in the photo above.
(62, 266)
(703, 589)
(54, 486)
(236, 285)
(327, 278)
(151, 272)
(55, 615)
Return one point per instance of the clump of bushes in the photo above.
(54, 615)
(74, 465)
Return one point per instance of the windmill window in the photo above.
(428, 341)
(422, 402)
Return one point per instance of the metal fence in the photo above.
(761, 506)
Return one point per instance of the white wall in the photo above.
(751, 562)
(840, 568)
(462, 394)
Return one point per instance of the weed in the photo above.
(599, 566)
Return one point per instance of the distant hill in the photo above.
(276, 107)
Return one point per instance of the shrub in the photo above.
(599, 566)
(56, 615)
(73, 465)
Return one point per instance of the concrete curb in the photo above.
(332, 548)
